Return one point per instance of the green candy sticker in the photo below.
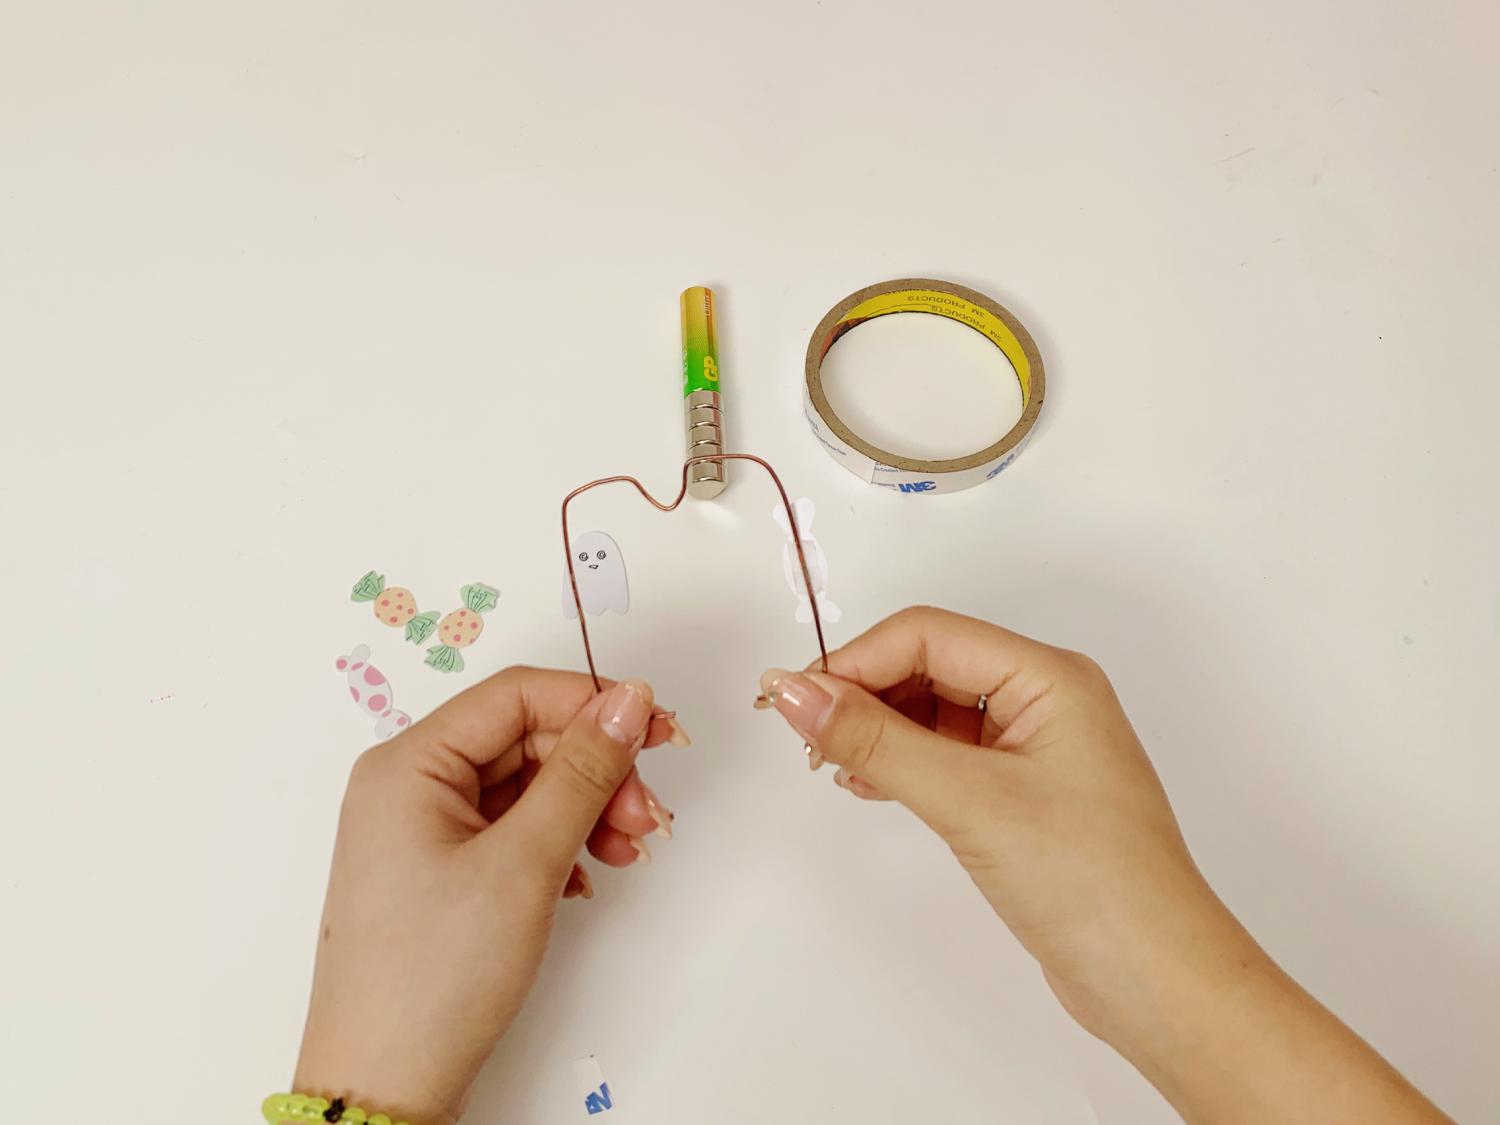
(368, 588)
(444, 659)
(394, 606)
(420, 627)
(479, 598)
(461, 628)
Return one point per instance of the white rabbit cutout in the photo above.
(817, 563)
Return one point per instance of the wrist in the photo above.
(1148, 964)
(1190, 993)
(1225, 1035)
(393, 1087)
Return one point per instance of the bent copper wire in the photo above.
(583, 626)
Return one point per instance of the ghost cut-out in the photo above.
(817, 563)
(599, 568)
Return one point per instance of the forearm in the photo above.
(1233, 1039)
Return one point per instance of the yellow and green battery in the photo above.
(701, 392)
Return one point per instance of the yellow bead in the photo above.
(379, 1119)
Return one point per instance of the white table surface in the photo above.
(292, 291)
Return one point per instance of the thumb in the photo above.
(927, 772)
(592, 758)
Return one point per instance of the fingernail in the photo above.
(814, 757)
(585, 884)
(801, 701)
(625, 711)
(578, 885)
(659, 812)
(643, 853)
(840, 778)
(678, 736)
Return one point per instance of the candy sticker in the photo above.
(462, 627)
(394, 606)
(599, 569)
(372, 693)
(817, 563)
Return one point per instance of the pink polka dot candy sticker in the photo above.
(462, 627)
(394, 606)
(372, 693)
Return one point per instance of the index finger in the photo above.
(962, 657)
(489, 718)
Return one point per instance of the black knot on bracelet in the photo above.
(335, 1112)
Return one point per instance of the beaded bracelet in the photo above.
(279, 1109)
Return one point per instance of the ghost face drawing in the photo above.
(599, 569)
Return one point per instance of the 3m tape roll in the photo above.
(941, 298)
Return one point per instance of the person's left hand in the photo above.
(455, 842)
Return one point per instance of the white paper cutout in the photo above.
(817, 563)
(372, 693)
(600, 569)
(592, 1088)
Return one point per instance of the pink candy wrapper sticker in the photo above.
(372, 693)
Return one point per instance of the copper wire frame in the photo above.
(588, 650)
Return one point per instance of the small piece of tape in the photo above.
(593, 1091)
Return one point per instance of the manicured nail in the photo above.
(801, 701)
(678, 736)
(840, 778)
(814, 757)
(578, 885)
(659, 812)
(643, 853)
(625, 711)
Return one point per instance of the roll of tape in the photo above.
(908, 474)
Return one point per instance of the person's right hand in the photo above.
(1062, 825)
(1021, 758)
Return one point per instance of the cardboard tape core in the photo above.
(940, 298)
